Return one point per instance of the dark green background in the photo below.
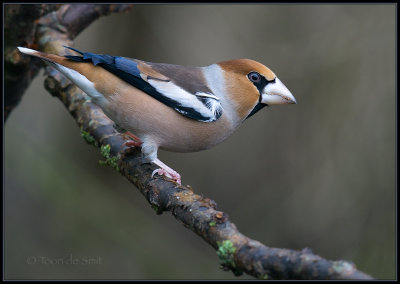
(319, 174)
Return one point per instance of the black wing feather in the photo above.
(127, 70)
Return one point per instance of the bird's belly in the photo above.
(150, 119)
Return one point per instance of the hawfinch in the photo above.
(172, 107)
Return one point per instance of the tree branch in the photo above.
(236, 251)
(19, 30)
(25, 24)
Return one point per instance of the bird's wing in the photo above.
(181, 88)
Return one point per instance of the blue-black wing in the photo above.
(197, 103)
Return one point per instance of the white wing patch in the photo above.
(211, 102)
(204, 105)
(206, 95)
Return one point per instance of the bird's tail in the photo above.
(49, 58)
(85, 76)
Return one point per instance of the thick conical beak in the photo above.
(275, 93)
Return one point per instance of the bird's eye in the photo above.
(254, 77)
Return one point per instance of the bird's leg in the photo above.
(166, 171)
(135, 142)
(149, 153)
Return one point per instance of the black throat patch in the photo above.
(260, 87)
(256, 109)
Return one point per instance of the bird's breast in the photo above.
(148, 118)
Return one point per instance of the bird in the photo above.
(171, 107)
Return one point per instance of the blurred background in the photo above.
(319, 174)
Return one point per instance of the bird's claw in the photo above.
(169, 174)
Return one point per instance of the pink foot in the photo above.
(132, 143)
(133, 136)
(166, 171)
(135, 142)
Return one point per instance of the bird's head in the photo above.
(251, 84)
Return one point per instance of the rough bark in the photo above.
(25, 24)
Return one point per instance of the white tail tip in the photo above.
(26, 50)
